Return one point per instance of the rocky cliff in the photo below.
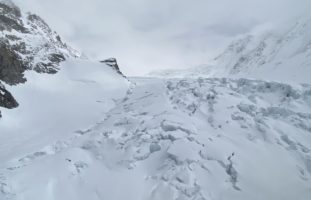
(26, 43)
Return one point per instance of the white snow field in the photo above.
(174, 139)
(53, 106)
(89, 133)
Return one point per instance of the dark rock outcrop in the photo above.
(10, 18)
(11, 66)
(6, 99)
(112, 62)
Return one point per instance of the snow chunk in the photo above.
(154, 147)
(184, 150)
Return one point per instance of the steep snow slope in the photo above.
(275, 54)
(56, 90)
(179, 139)
(53, 106)
(280, 53)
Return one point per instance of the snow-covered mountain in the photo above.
(279, 53)
(47, 90)
(27, 42)
(74, 129)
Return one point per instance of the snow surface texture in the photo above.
(53, 106)
(278, 54)
(176, 139)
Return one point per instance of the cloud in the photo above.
(146, 35)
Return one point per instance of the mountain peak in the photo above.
(28, 43)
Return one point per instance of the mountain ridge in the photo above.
(27, 43)
(270, 54)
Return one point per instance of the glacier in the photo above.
(74, 128)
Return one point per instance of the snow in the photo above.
(54, 106)
(172, 139)
(87, 132)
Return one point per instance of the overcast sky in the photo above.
(147, 35)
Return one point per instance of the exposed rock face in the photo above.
(112, 62)
(10, 18)
(27, 43)
(6, 99)
(11, 66)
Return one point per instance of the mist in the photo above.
(147, 35)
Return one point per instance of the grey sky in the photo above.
(146, 35)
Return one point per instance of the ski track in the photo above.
(199, 139)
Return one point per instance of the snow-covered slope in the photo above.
(86, 132)
(63, 91)
(186, 139)
(280, 53)
(28, 44)
(276, 54)
(53, 106)
(49, 106)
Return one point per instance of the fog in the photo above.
(146, 35)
